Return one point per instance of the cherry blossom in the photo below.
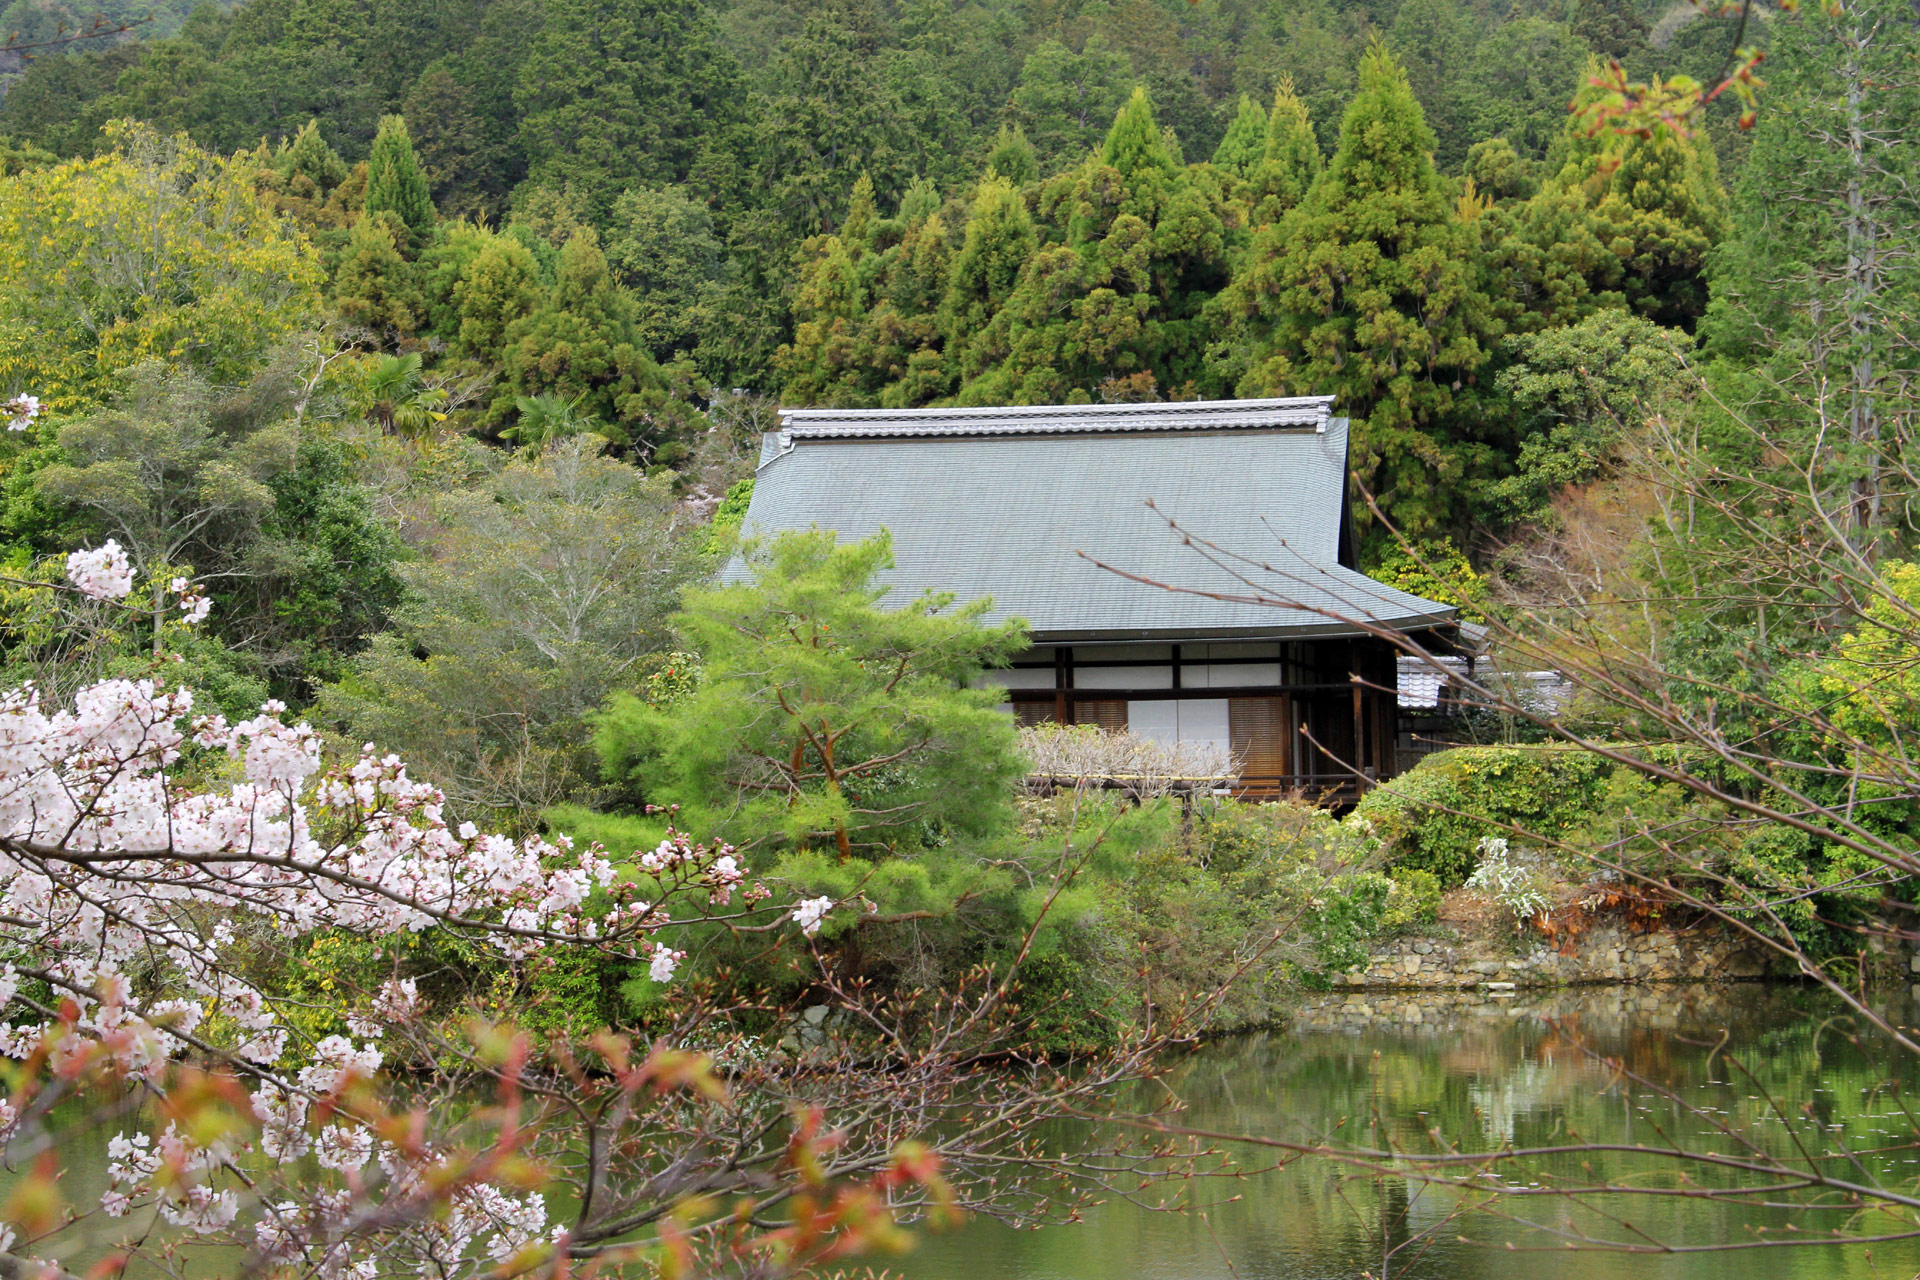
(102, 573)
(810, 912)
(112, 863)
(21, 411)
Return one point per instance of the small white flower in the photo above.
(21, 411)
(809, 913)
(664, 963)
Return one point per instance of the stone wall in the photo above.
(1607, 953)
(1605, 1012)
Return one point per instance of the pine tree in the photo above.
(1366, 292)
(395, 183)
(1245, 144)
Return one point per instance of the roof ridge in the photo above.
(1189, 415)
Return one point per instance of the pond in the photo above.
(1486, 1069)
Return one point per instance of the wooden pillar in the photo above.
(1360, 735)
(1062, 681)
(1289, 732)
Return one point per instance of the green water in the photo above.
(1484, 1071)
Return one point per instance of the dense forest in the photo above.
(861, 204)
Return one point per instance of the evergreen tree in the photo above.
(835, 121)
(1012, 157)
(1816, 290)
(1431, 42)
(1000, 238)
(309, 156)
(395, 183)
(1120, 300)
(1065, 99)
(499, 288)
(662, 247)
(1291, 161)
(1244, 146)
(583, 346)
(618, 91)
(1517, 84)
(866, 329)
(374, 284)
(452, 142)
(1653, 202)
(1366, 292)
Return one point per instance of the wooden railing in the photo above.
(1326, 789)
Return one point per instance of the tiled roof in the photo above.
(1056, 419)
(1020, 504)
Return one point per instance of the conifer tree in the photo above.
(1245, 144)
(500, 287)
(374, 284)
(582, 345)
(1654, 202)
(618, 91)
(309, 156)
(1816, 289)
(829, 306)
(857, 226)
(1064, 99)
(395, 182)
(1013, 157)
(1000, 238)
(1291, 159)
(1365, 292)
(1120, 300)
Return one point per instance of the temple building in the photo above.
(1188, 569)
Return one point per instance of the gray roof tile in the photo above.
(1017, 504)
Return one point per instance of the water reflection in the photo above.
(1487, 1071)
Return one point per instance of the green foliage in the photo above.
(582, 343)
(1012, 159)
(662, 246)
(1367, 291)
(395, 183)
(1433, 817)
(1291, 162)
(1065, 99)
(1244, 146)
(1436, 571)
(546, 582)
(374, 285)
(729, 516)
(822, 716)
(614, 94)
(1580, 390)
(221, 279)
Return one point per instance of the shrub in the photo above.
(1434, 816)
(1512, 879)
